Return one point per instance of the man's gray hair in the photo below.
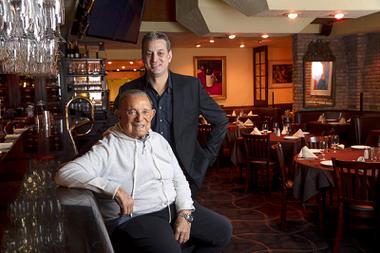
(133, 93)
(156, 36)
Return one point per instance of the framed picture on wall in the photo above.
(280, 74)
(211, 71)
(321, 78)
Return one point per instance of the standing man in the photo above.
(179, 100)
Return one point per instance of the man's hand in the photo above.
(182, 229)
(124, 201)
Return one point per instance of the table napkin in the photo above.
(342, 121)
(340, 146)
(6, 146)
(306, 153)
(12, 136)
(299, 133)
(19, 130)
(361, 159)
(233, 113)
(248, 122)
(284, 130)
(321, 118)
(240, 124)
(256, 131)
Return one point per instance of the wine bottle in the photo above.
(76, 50)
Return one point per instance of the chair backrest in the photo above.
(257, 147)
(204, 131)
(358, 187)
(313, 141)
(281, 163)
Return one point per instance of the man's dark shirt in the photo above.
(162, 122)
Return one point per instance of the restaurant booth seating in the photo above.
(362, 126)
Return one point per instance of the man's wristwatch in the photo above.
(187, 216)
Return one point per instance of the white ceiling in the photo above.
(200, 20)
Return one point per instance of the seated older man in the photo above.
(142, 192)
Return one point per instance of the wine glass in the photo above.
(275, 126)
(323, 148)
(264, 128)
(334, 142)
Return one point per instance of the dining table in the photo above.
(313, 176)
(291, 145)
(329, 127)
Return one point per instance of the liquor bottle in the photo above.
(69, 53)
(76, 50)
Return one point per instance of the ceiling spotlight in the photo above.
(117, 70)
(242, 45)
(122, 67)
(232, 36)
(198, 45)
(109, 62)
(339, 15)
(135, 70)
(131, 62)
(292, 15)
(211, 40)
(265, 36)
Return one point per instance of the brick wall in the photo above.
(357, 69)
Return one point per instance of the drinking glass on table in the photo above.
(334, 142)
(323, 147)
(275, 127)
(264, 128)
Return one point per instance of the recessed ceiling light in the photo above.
(123, 67)
(117, 69)
(109, 62)
(232, 36)
(131, 62)
(339, 15)
(198, 45)
(211, 41)
(135, 70)
(292, 15)
(264, 36)
(242, 45)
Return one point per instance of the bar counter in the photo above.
(35, 214)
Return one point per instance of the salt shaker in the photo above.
(366, 154)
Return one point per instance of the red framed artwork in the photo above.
(211, 71)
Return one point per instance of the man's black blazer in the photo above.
(190, 99)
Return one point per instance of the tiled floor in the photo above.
(255, 218)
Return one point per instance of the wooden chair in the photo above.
(286, 183)
(257, 149)
(358, 196)
(204, 131)
(314, 141)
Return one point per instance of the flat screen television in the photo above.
(118, 20)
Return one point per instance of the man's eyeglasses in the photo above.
(134, 112)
